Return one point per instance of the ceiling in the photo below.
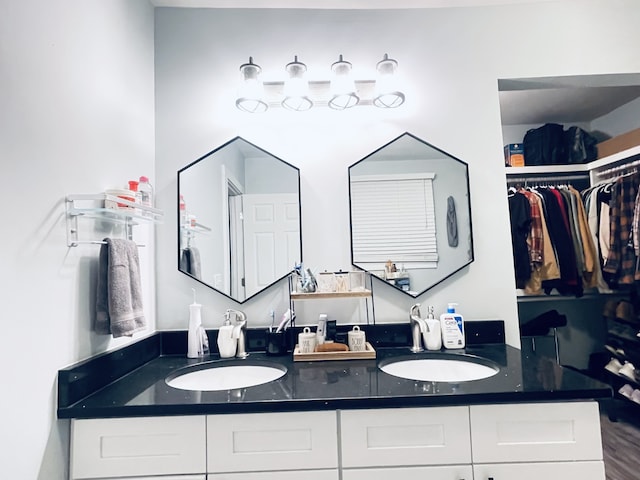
(567, 99)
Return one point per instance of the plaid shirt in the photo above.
(621, 260)
(535, 238)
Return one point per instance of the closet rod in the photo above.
(618, 170)
(548, 179)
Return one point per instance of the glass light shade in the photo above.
(296, 87)
(251, 90)
(387, 93)
(343, 87)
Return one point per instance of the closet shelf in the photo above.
(597, 166)
(93, 206)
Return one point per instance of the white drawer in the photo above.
(536, 471)
(120, 447)
(272, 441)
(161, 477)
(405, 436)
(450, 472)
(289, 475)
(536, 432)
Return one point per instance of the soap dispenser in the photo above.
(432, 337)
(227, 342)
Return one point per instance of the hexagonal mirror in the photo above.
(239, 219)
(410, 214)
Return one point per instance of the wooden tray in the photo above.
(319, 356)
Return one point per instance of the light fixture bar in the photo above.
(296, 93)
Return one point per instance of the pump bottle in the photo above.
(452, 326)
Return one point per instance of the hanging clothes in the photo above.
(620, 262)
(520, 215)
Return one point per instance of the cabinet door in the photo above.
(536, 471)
(450, 472)
(289, 475)
(536, 432)
(121, 447)
(272, 441)
(405, 436)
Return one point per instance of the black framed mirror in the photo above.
(410, 212)
(239, 219)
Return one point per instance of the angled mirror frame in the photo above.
(410, 215)
(240, 230)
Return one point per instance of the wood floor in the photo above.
(621, 439)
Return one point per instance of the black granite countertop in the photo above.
(131, 382)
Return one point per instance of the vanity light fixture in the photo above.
(296, 87)
(343, 87)
(251, 91)
(387, 93)
(298, 94)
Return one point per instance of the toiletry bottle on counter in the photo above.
(452, 326)
(227, 344)
(432, 337)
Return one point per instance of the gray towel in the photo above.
(194, 262)
(452, 223)
(119, 294)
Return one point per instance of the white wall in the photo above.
(451, 60)
(76, 116)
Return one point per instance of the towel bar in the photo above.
(95, 242)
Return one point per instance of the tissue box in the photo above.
(514, 155)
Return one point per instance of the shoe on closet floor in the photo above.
(609, 310)
(629, 371)
(626, 391)
(635, 396)
(626, 312)
(614, 366)
(618, 352)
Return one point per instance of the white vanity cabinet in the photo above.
(555, 440)
(531, 441)
(144, 446)
(269, 444)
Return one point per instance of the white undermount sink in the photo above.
(216, 376)
(440, 368)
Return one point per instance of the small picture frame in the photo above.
(356, 281)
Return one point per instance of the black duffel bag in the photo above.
(579, 146)
(544, 145)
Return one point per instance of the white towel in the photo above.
(119, 294)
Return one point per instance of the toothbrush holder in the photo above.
(277, 343)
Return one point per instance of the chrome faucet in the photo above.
(239, 331)
(418, 327)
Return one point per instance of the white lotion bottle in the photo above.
(452, 326)
(194, 338)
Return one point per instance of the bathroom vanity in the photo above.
(331, 420)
